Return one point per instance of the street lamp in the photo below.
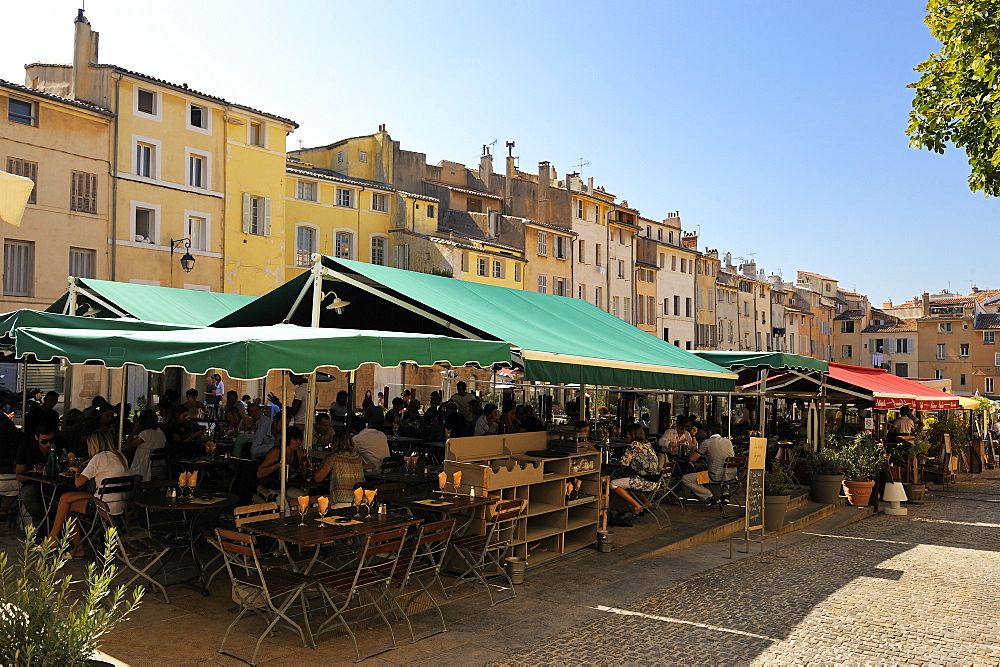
(187, 261)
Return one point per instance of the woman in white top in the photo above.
(104, 462)
(148, 437)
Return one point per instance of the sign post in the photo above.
(754, 517)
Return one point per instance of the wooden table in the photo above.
(416, 482)
(191, 510)
(59, 481)
(316, 534)
(461, 505)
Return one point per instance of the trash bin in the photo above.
(605, 538)
(515, 569)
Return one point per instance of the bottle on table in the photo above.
(52, 463)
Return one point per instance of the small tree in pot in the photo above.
(862, 459)
(777, 493)
(826, 478)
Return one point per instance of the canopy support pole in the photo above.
(121, 406)
(317, 303)
(283, 476)
(762, 403)
(24, 393)
(351, 398)
(581, 402)
(729, 415)
(71, 291)
(821, 440)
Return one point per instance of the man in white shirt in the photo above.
(299, 411)
(463, 400)
(373, 447)
(715, 450)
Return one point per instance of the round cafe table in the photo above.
(190, 510)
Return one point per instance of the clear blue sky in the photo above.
(775, 128)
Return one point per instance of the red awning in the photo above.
(891, 391)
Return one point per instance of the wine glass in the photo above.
(324, 507)
(303, 508)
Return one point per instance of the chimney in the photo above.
(84, 53)
(590, 184)
(750, 268)
(573, 181)
(690, 240)
(887, 304)
(926, 303)
(975, 288)
(486, 167)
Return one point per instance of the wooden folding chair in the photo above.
(730, 479)
(144, 556)
(483, 555)
(422, 566)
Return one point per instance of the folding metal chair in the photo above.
(141, 555)
(364, 590)
(652, 501)
(730, 479)
(422, 567)
(483, 555)
(109, 486)
(257, 590)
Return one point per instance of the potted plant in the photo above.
(862, 459)
(826, 475)
(777, 493)
(916, 456)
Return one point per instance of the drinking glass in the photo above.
(302, 514)
(323, 509)
(357, 508)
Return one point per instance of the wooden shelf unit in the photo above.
(552, 525)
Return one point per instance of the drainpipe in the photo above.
(114, 188)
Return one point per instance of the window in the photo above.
(677, 305)
(18, 268)
(145, 225)
(597, 255)
(481, 267)
(627, 312)
(683, 265)
(847, 351)
(903, 370)
(473, 205)
(666, 334)
(380, 202)
(517, 273)
(559, 287)
(198, 116)
(711, 299)
(343, 245)
(687, 307)
(614, 306)
(944, 327)
(83, 192)
(378, 250)
(561, 246)
(649, 232)
(344, 197)
(196, 171)
(362, 156)
(256, 215)
(599, 298)
(22, 111)
(543, 243)
(581, 290)
(963, 350)
(28, 170)
(146, 101)
(543, 284)
(847, 327)
(145, 156)
(989, 337)
(197, 231)
(306, 190)
(430, 210)
(961, 379)
(903, 346)
(257, 135)
(659, 234)
(940, 350)
(81, 262)
(305, 244)
(673, 263)
(401, 256)
(340, 157)
(621, 268)
(651, 309)
(988, 385)
(996, 359)
(579, 208)
(497, 268)
(877, 346)
(580, 251)
(938, 374)
(640, 312)
(465, 261)
(666, 306)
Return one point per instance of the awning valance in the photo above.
(758, 360)
(890, 391)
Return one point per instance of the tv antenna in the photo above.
(581, 164)
(300, 144)
(490, 145)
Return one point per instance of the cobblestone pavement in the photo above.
(901, 590)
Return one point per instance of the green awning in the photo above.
(250, 352)
(757, 360)
(559, 339)
(11, 322)
(149, 303)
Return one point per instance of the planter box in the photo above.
(825, 488)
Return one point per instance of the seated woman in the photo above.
(180, 429)
(269, 470)
(104, 462)
(232, 419)
(147, 436)
(646, 470)
(343, 467)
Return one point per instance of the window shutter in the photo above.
(996, 358)
(267, 216)
(910, 347)
(246, 213)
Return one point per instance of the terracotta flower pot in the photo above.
(858, 493)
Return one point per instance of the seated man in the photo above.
(269, 470)
(260, 426)
(31, 452)
(373, 447)
(323, 433)
(714, 450)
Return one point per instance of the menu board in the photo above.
(755, 484)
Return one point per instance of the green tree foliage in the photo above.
(957, 98)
